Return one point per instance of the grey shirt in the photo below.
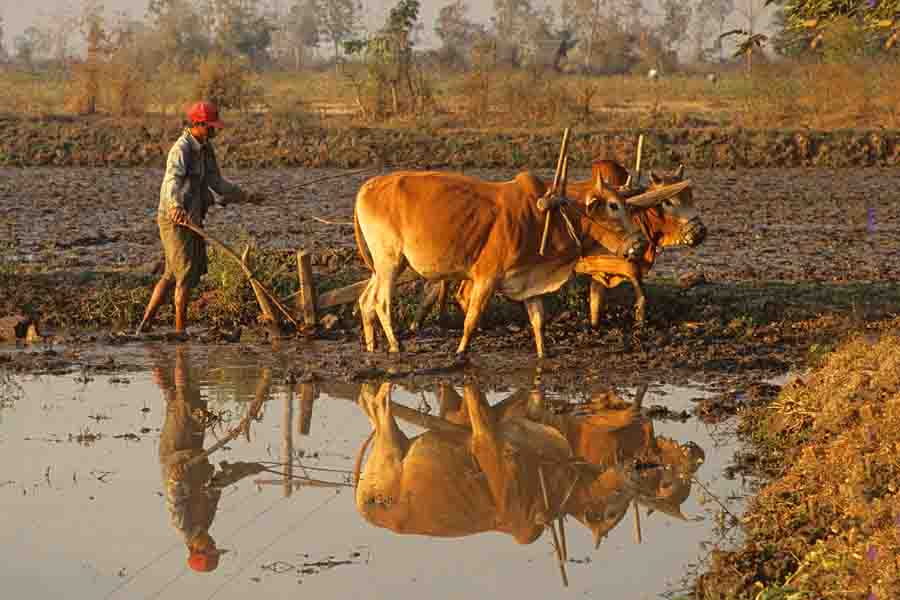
(191, 172)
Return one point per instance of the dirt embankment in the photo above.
(257, 141)
(828, 523)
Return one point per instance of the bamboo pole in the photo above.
(638, 538)
(287, 443)
(308, 395)
(637, 162)
(306, 300)
(557, 178)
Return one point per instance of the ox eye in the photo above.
(667, 203)
(614, 206)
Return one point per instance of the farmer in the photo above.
(184, 197)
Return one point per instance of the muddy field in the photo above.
(794, 260)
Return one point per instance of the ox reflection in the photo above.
(515, 467)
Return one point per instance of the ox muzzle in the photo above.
(693, 233)
(634, 247)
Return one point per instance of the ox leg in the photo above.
(535, 307)
(597, 301)
(478, 298)
(434, 293)
(367, 313)
(462, 294)
(640, 303)
(487, 447)
(381, 477)
(383, 292)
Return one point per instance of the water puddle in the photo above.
(108, 493)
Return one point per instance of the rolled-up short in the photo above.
(186, 259)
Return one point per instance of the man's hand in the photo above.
(179, 216)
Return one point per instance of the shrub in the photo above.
(227, 82)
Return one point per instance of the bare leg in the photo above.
(160, 295)
(598, 292)
(181, 302)
(480, 294)
(535, 307)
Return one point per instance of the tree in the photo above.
(510, 22)
(3, 54)
(674, 28)
(242, 30)
(338, 19)
(388, 53)
(458, 33)
(748, 46)
(30, 45)
(850, 20)
(178, 32)
(298, 30)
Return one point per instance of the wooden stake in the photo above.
(306, 300)
(637, 163)
(351, 293)
(556, 545)
(307, 398)
(287, 444)
(638, 538)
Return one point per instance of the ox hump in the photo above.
(530, 185)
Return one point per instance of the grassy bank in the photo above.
(828, 523)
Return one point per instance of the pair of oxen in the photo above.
(517, 466)
(490, 236)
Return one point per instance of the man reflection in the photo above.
(512, 468)
(192, 485)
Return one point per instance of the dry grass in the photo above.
(783, 95)
(833, 514)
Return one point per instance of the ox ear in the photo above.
(679, 172)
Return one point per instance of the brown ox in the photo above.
(449, 226)
(481, 468)
(671, 222)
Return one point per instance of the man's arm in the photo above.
(219, 184)
(176, 183)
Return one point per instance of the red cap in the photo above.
(203, 561)
(205, 112)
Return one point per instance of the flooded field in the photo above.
(93, 508)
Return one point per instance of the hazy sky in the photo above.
(18, 14)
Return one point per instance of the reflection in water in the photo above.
(193, 486)
(516, 467)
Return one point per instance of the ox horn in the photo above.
(679, 172)
(654, 197)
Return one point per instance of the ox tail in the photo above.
(361, 243)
